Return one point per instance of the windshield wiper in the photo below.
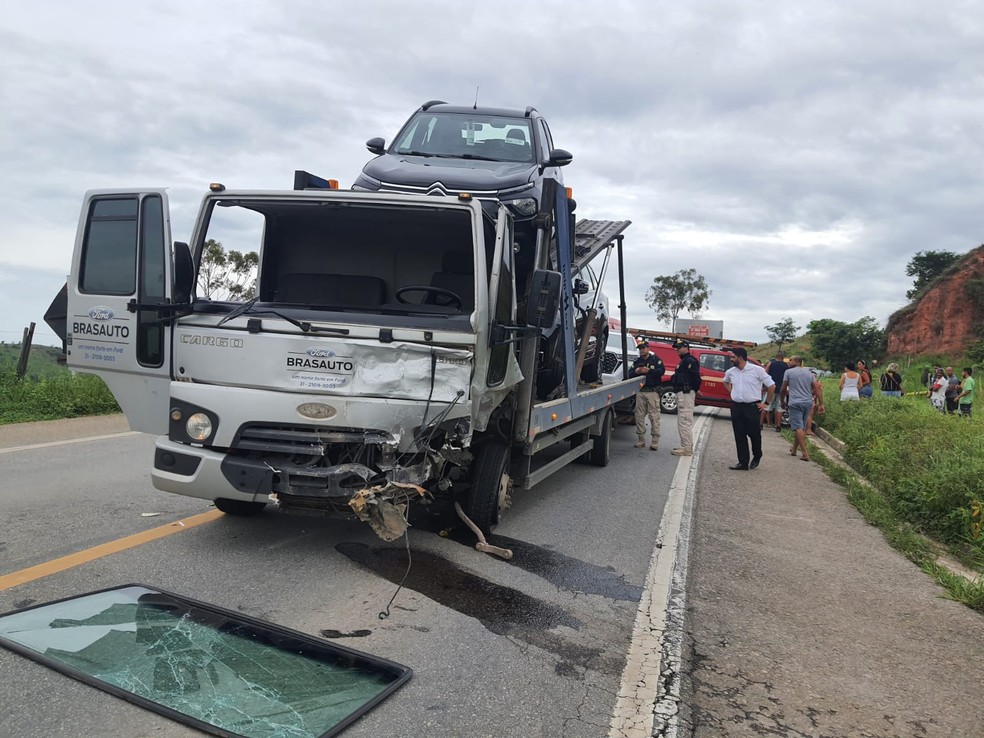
(247, 307)
(236, 312)
(303, 324)
(477, 156)
(415, 153)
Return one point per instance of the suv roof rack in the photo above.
(692, 340)
(431, 103)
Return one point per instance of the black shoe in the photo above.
(738, 467)
(754, 464)
(778, 429)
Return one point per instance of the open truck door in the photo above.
(120, 301)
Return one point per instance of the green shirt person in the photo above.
(965, 399)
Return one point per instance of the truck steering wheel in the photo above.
(442, 297)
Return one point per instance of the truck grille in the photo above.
(302, 440)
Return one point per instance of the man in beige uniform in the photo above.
(649, 368)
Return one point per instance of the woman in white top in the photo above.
(937, 390)
(849, 383)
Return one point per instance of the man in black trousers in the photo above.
(744, 381)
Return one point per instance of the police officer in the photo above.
(650, 368)
(686, 382)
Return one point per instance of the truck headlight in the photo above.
(199, 427)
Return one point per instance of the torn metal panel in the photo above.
(384, 507)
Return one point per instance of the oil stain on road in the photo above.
(502, 610)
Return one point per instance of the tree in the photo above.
(782, 332)
(684, 290)
(839, 343)
(926, 266)
(226, 275)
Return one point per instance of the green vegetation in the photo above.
(49, 391)
(839, 342)
(925, 472)
(926, 266)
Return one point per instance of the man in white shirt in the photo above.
(744, 381)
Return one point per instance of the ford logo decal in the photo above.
(316, 410)
(101, 312)
(321, 353)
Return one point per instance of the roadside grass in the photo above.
(50, 397)
(925, 475)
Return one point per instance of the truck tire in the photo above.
(601, 452)
(238, 507)
(489, 485)
(668, 401)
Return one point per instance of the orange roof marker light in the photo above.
(217, 187)
(570, 193)
(464, 196)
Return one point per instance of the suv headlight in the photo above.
(523, 206)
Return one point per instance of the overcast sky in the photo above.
(797, 155)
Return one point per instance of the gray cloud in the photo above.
(797, 156)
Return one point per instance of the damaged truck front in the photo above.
(360, 375)
(379, 359)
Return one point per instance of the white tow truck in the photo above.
(389, 354)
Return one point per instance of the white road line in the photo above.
(70, 440)
(637, 695)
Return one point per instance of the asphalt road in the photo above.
(531, 647)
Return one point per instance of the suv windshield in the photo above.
(466, 136)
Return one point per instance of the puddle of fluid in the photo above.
(499, 608)
(502, 610)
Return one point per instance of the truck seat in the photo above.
(343, 290)
(458, 275)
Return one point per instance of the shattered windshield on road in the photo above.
(203, 665)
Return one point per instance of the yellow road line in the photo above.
(105, 549)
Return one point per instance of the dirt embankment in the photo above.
(948, 317)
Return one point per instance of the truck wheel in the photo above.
(601, 453)
(668, 401)
(489, 486)
(238, 507)
(592, 371)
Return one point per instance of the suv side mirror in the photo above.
(541, 307)
(559, 158)
(376, 145)
(184, 273)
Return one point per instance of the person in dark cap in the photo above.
(744, 381)
(650, 368)
(686, 382)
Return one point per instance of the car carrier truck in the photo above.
(388, 355)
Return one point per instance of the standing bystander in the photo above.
(965, 400)
(745, 381)
(777, 370)
(864, 381)
(891, 381)
(650, 368)
(952, 390)
(686, 382)
(800, 390)
(937, 390)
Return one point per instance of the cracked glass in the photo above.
(211, 668)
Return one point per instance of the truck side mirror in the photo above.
(376, 145)
(541, 307)
(581, 287)
(184, 273)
